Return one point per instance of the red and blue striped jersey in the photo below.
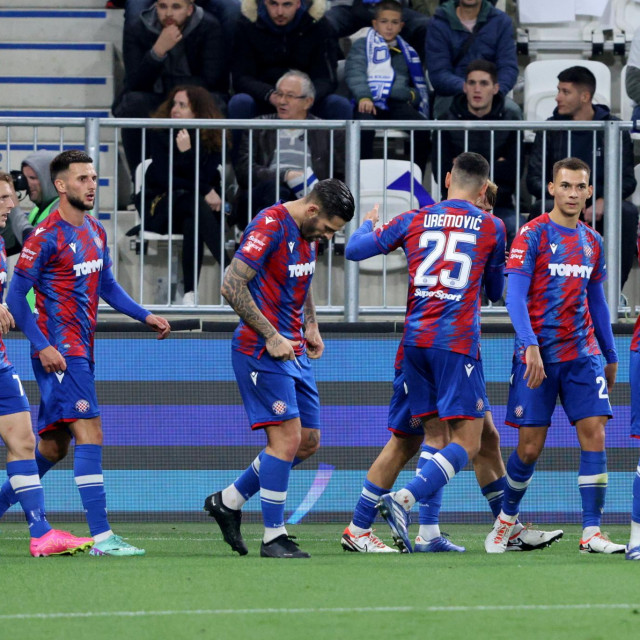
(65, 264)
(4, 360)
(449, 247)
(635, 341)
(284, 263)
(560, 262)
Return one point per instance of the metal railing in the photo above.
(96, 129)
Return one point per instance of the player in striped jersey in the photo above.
(556, 302)
(268, 284)
(633, 548)
(15, 427)
(451, 247)
(66, 260)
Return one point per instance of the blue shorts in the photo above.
(401, 422)
(444, 382)
(581, 385)
(13, 399)
(66, 396)
(634, 382)
(274, 391)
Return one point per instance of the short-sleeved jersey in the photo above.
(560, 262)
(284, 263)
(635, 341)
(4, 360)
(65, 264)
(449, 246)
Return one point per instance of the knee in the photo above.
(242, 107)
(309, 444)
(490, 441)
(529, 452)
(335, 107)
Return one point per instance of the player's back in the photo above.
(448, 246)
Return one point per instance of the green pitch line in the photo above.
(190, 585)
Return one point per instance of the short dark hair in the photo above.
(580, 76)
(470, 170)
(572, 164)
(483, 65)
(387, 5)
(6, 177)
(63, 160)
(334, 198)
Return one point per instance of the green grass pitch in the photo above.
(190, 585)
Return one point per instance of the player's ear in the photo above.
(447, 180)
(590, 190)
(551, 189)
(312, 210)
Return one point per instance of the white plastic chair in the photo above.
(626, 17)
(541, 85)
(392, 201)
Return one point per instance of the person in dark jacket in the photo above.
(481, 100)
(462, 31)
(576, 87)
(172, 43)
(185, 102)
(301, 162)
(275, 36)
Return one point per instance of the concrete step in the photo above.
(12, 158)
(62, 25)
(55, 91)
(52, 134)
(57, 58)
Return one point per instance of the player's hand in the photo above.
(373, 215)
(159, 324)
(366, 106)
(6, 320)
(280, 348)
(183, 141)
(168, 38)
(315, 344)
(534, 373)
(597, 209)
(610, 373)
(213, 200)
(52, 360)
(292, 174)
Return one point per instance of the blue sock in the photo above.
(248, 482)
(366, 510)
(87, 471)
(592, 480)
(274, 480)
(7, 495)
(517, 480)
(429, 511)
(438, 471)
(494, 493)
(25, 482)
(635, 509)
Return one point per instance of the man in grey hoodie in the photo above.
(42, 194)
(174, 42)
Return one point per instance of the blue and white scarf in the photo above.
(380, 73)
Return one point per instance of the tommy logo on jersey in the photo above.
(85, 268)
(570, 270)
(302, 269)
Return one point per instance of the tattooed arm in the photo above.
(315, 345)
(237, 294)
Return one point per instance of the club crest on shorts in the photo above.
(479, 404)
(279, 407)
(82, 406)
(518, 411)
(415, 423)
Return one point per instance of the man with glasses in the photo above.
(285, 164)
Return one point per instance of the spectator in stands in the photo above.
(481, 100)
(348, 16)
(304, 158)
(279, 35)
(384, 74)
(462, 31)
(186, 102)
(576, 87)
(42, 193)
(172, 43)
(632, 82)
